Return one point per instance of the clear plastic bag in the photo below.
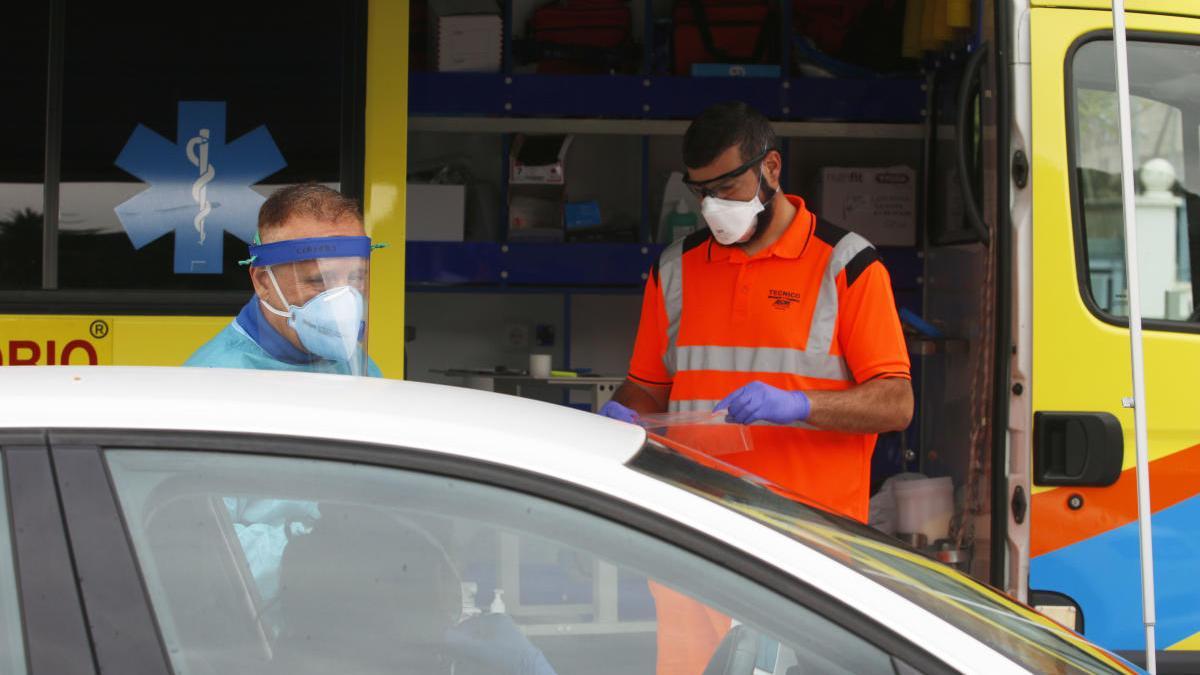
(685, 418)
(706, 432)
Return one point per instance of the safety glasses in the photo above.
(716, 187)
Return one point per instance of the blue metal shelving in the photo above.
(895, 100)
(445, 266)
(438, 265)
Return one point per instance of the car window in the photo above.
(1166, 151)
(265, 563)
(12, 645)
(995, 619)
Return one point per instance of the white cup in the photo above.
(539, 365)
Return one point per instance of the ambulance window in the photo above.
(23, 34)
(175, 126)
(1165, 107)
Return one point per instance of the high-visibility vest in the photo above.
(815, 311)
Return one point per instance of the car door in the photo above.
(258, 555)
(1083, 514)
(42, 629)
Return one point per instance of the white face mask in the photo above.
(730, 220)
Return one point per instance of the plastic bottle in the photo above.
(497, 606)
(681, 222)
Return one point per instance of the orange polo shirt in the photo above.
(814, 311)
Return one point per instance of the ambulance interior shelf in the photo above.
(600, 388)
(899, 100)
(891, 108)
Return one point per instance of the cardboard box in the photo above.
(879, 203)
(435, 212)
(465, 35)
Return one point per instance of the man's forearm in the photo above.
(643, 400)
(872, 407)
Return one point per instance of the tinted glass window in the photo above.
(254, 563)
(996, 620)
(176, 124)
(23, 47)
(1165, 107)
(12, 646)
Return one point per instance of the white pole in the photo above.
(1124, 120)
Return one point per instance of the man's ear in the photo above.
(773, 167)
(262, 283)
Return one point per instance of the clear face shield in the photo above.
(321, 286)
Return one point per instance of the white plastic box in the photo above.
(537, 187)
(925, 506)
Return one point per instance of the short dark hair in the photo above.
(722, 126)
(306, 199)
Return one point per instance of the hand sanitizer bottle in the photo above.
(497, 606)
(681, 222)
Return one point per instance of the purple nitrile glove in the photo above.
(619, 412)
(759, 401)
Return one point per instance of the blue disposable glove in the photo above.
(619, 412)
(759, 401)
(493, 644)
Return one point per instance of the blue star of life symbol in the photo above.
(199, 185)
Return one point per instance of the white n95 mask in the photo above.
(731, 220)
(328, 325)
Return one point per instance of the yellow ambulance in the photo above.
(1022, 268)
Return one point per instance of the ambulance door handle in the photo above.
(1085, 449)
(971, 75)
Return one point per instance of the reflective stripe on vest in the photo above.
(825, 314)
(670, 279)
(814, 361)
(761, 360)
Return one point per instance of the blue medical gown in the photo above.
(249, 341)
(263, 527)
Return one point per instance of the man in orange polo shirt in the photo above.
(777, 317)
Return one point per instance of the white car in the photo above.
(198, 521)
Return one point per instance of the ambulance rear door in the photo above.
(1083, 510)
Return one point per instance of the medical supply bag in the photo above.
(580, 36)
(827, 22)
(723, 31)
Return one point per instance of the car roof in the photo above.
(552, 440)
(455, 420)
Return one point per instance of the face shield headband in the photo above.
(331, 324)
(311, 248)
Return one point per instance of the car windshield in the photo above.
(993, 618)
